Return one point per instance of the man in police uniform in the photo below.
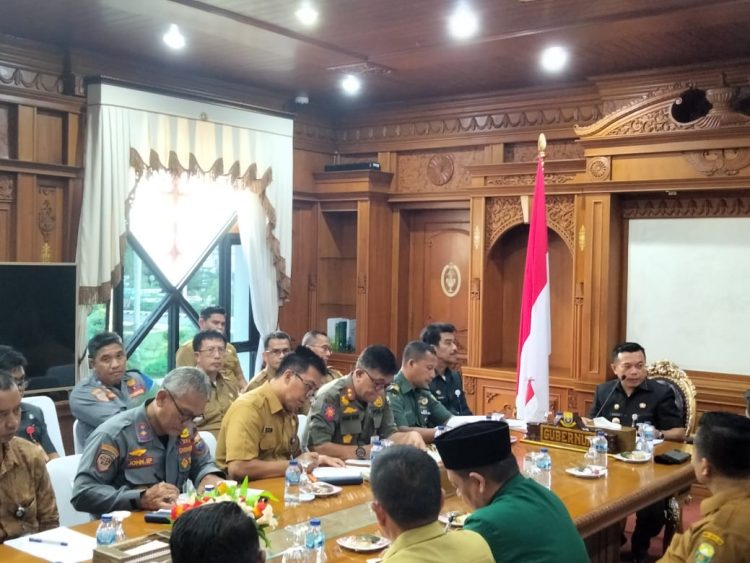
(27, 501)
(407, 500)
(259, 433)
(519, 518)
(109, 389)
(629, 399)
(347, 412)
(721, 461)
(276, 346)
(210, 347)
(413, 404)
(447, 386)
(213, 318)
(32, 426)
(319, 343)
(141, 458)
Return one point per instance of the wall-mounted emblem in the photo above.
(450, 279)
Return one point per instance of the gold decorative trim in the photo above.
(678, 379)
(477, 237)
(248, 180)
(476, 284)
(7, 188)
(599, 169)
(501, 213)
(46, 222)
(720, 162)
(683, 207)
(528, 179)
(582, 238)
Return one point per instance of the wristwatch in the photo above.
(360, 452)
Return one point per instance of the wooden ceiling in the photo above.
(400, 46)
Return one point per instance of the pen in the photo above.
(50, 542)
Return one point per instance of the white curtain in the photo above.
(176, 133)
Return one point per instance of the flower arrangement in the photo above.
(256, 506)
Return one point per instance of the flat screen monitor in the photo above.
(38, 318)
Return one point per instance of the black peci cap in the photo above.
(474, 445)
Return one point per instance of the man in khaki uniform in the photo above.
(347, 412)
(259, 433)
(721, 461)
(210, 347)
(213, 318)
(27, 501)
(276, 346)
(319, 343)
(413, 404)
(406, 488)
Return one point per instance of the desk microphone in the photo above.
(608, 398)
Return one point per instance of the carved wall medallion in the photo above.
(599, 169)
(501, 213)
(450, 280)
(726, 162)
(6, 187)
(561, 218)
(440, 169)
(682, 207)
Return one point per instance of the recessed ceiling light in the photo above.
(173, 38)
(554, 59)
(463, 23)
(306, 14)
(351, 84)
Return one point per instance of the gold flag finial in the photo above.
(542, 144)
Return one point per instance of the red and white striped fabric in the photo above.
(534, 338)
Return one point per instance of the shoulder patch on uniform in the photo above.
(378, 403)
(143, 431)
(329, 412)
(710, 536)
(100, 394)
(705, 552)
(105, 457)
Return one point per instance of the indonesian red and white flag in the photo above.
(534, 337)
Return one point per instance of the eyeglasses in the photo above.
(278, 351)
(324, 347)
(185, 417)
(379, 384)
(310, 387)
(213, 350)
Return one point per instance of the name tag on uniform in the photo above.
(267, 430)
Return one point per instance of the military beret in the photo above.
(474, 445)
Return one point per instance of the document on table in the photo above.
(50, 545)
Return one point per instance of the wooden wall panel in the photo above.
(7, 136)
(50, 139)
(439, 238)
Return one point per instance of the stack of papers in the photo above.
(59, 544)
(601, 422)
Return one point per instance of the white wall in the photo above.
(688, 291)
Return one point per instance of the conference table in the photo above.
(597, 506)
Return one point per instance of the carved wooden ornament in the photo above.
(450, 280)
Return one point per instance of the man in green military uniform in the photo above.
(721, 462)
(413, 404)
(348, 411)
(520, 519)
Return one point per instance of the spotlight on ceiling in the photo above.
(554, 59)
(173, 38)
(306, 14)
(351, 84)
(463, 23)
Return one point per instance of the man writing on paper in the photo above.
(259, 433)
(629, 399)
(413, 404)
(520, 519)
(141, 458)
(27, 501)
(347, 412)
(721, 461)
(407, 499)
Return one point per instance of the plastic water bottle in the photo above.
(291, 484)
(207, 489)
(648, 437)
(376, 448)
(600, 449)
(106, 534)
(119, 530)
(544, 465)
(315, 542)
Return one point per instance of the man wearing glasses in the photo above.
(141, 458)
(210, 347)
(276, 347)
(348, 412)
(110, 389)
(259, 433)
(32, 426)
(319, 343)
(213, 318)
